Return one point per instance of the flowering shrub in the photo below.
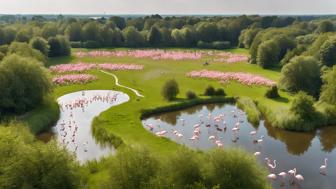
(120, 66)
(230, 58)
(73, 79)
(224, 77)
(80, 67)
(154, 54)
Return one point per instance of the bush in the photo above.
(221, 45)
(251, 109)
(191, 95)
(272, 92)
(303, 106)
(220, 92)
(209, 91)
(25, 50)
(76, 44)
(92, 44)
(302, 73)
(170, 90)
(59, 46)
(24, 84)
(214, 45)
(40, 44)
(29, 164)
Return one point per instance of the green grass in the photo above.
(42, 117)
(124, 122)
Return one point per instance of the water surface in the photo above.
(304, 151)
(73, 129)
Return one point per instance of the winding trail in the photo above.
(118, 84)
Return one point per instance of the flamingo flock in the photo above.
(68, 130)
(218, 123)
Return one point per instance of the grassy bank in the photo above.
(42, 117)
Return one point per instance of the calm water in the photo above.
(73, 129)
(304, 151)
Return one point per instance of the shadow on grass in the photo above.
(59, 60)
(281, 99)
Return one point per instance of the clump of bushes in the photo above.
(191, 95)
(211, 91)
(137, 167)
(302, 115)
(214, 45)
(272, 92)
(170, 90)
(251, 109)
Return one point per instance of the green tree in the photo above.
(207, 31)
(302, 73)
(328, 93)
(74, 31)
(328, 52)
(59, 46)
(25, 163)
(91, 31)
(268, 53)
(133, 37)
(40, 44)
(24, 83)
(25, 50)
(303, 106)
(170, 90)
(119, 21)
(49, 30)
(154, 36)
(132, 167)
(23, 36)
(325, 26)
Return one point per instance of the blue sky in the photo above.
(168, 6)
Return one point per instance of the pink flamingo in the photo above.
(323, 168)
(272, 176)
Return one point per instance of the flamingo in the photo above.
(260, 140)
(323, 168)
(272, 176)
(212, 137)
(257, 153)
(283, 175)
(272, 166)
(298, 177)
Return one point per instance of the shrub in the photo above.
(214, 45)
(24, 83)
(302, 73)
(251, 109)
(272, 92)
(302, 105)
(220, 92)
(76, 44)
(328, 93)
(191, 95)
(59, 46)
(40, 44)
(92, 44)
(170, 90)
(209, 91)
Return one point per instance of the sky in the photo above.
(168, 6)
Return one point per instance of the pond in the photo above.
(77, 111)
(212, 126)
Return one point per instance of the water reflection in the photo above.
(73, 129)
(304, 151)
